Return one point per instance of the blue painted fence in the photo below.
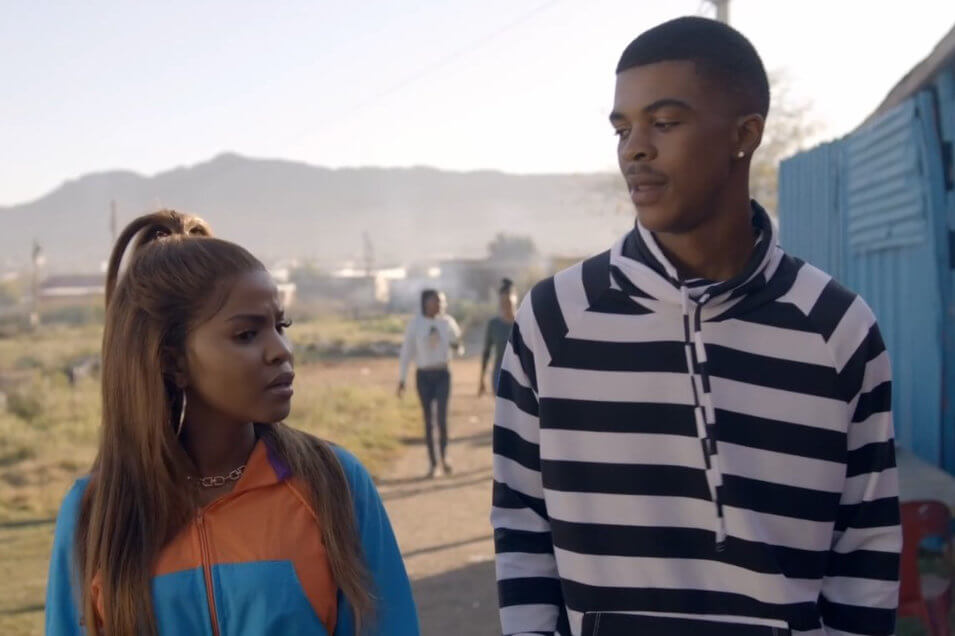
(876, 210)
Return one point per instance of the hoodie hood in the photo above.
(639, 265)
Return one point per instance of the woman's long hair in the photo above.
(138, 498)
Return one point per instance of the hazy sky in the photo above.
(514, 85)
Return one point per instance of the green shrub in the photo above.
(27, 362)
(74, 315)
(25, 404)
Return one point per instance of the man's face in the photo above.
(677, 141)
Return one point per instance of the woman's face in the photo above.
(432, 306)
(239, 362)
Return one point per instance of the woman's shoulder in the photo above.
(74, 496)
(69, 512)
(364, 493)
(355, 471)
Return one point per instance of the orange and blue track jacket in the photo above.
(253, 562)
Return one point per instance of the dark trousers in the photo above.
(434, 389)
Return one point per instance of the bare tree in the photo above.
(511, 247)
(790, 127)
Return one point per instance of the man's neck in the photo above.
(717, 250)
(216, 445)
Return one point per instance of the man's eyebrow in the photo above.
(671, 102)
(667, 102)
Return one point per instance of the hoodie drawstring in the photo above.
(704, 412)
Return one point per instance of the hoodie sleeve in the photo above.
(488, 343)
(396, 614)
(860, 591)
(456, 344)
(529, 592)
(62, 596)
(407, 349)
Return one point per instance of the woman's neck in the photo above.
(216, 445)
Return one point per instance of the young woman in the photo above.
(431, 339)
(203, 513)
(498, 331)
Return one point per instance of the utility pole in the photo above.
(35, 310)
(722, 10)
(368, 252)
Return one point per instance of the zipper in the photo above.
(207, 571)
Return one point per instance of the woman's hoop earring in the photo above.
(182, 414)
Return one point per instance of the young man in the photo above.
(693, 431)
(497, 333)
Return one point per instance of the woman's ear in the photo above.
(174, 368)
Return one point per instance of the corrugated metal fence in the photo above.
(875, 209)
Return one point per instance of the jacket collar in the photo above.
(637, 257)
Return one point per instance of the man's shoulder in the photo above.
(574, 274)
(569, 291)
(839, 315)
(824, 297)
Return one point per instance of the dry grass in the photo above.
(388, 328)
(50, 347)
(53, 439)
(352, 404)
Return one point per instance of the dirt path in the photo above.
(442, 524)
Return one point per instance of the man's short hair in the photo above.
(721, 54)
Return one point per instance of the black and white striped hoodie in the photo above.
(682, 457)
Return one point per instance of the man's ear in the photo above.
(749, 134)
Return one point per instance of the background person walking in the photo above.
(431, 340)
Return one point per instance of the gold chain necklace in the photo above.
(219, 480)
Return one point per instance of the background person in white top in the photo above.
(431, 339)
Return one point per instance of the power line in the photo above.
(477, 44)
(439, 64)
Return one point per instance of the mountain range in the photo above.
(290, 210)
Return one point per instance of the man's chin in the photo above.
(656, 219)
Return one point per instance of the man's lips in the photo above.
(646, 187)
